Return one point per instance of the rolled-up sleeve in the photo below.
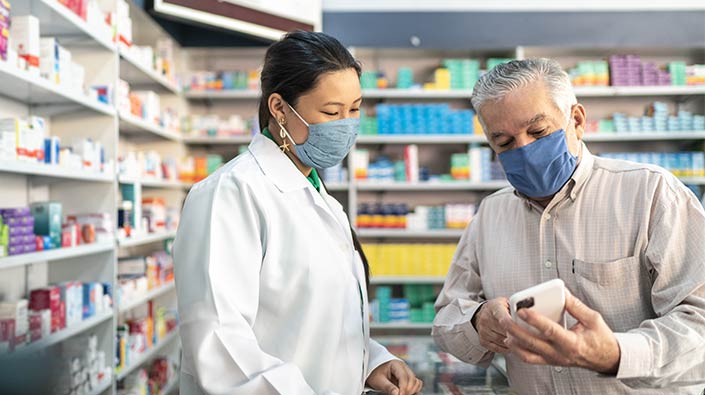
(670, 349)
(458, 301)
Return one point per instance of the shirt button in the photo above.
(548, 264)
(547, 217)
(558, 369)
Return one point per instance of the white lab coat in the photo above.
(271, 293)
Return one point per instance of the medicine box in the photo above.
(24, 36)
(49, 59)
(17, 311)
(72, 296)
(47, 220)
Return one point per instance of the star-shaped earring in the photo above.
(285, 146)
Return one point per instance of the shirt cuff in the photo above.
(462, 340)
(635, 356)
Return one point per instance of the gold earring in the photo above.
(282, 133)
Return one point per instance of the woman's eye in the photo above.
(355, 110)
(330, 114)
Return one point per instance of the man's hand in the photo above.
(394, 378)
(588, 344)
(487, 323)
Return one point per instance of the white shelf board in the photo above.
(56, 254)
(411, 234)
(66, 333)
(153, 183)
(337, 186)
(147, 355)
(107, 383)
(138, 74)
(693, 180)
(667, 90)
(133, 125)
(153, 294)
(400, 325)
(34, 90)
(55, 20)
(432, 186)
(145, 239)
(234, 140)
(233, 94)
(643, 136)
(421, 139)
(52, 171)
(416, 94)
(407, 280)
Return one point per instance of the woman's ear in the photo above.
(276, 108)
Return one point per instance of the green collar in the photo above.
(313, 177)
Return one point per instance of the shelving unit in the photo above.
(421, 139)
(57, 254)
(234, 140)
(154, 183)
(147, 355)
(415, 94)
(402, 326)
(137, 73)
(223, 95)
(53, 173)
(138, 127)
(668, 90)
(102, 387)
(155, 293)
(145, 239)
(432, 186)
(66, 333)
(411, 234)
(406, 280)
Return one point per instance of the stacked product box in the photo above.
(17, 231)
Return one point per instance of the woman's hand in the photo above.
(394, 378)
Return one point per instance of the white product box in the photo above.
(72, 295)
(124, 28)
(85, 151)
(38, 133)
(8, 146)
(45, 316)
(49, 59)
(24, 138)
(24, 35)
(123, 97)
(151, 107)
(78, 77)
(17, 311)
(64, 67)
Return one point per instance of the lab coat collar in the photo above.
(276, 165)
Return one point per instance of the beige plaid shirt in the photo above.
(627, 239)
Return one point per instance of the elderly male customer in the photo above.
(627, 239)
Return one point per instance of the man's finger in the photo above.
(579, 310)
(519, 337)
(549, 329)
(404, 382)
(529, 357)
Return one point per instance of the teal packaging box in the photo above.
(47, 221)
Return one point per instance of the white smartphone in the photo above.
(547, 299)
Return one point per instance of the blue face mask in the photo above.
(541, 168)
(327, 142)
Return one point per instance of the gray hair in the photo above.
(506, 77)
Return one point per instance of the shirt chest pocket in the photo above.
(619, 290)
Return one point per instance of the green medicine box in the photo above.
(47, 220)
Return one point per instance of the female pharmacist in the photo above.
(271, 290)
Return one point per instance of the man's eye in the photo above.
(538, 133)
(505, 144)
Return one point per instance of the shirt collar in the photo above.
(276, 165)
(577, 180)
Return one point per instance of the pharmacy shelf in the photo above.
(223, 95)
(56, 20)
(135, 126)
(421, 139)
(153, 294)
(693, 180)
(667, 90)
(432, 186)
(401, 326)
(337, 186)
(642, 136)
(234, 140)
(66, 333)
(107, 383)
(411, 234)
(57, 254)
(140, 75)
(147, 355)
(146, 239)
(52, 172)
(154, 183)
(416, 94)
(34, 90)
(407, 280)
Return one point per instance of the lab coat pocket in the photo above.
(614, 289)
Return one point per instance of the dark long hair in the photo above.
(292, 67)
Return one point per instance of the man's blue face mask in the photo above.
(540, 169)
(327, 142)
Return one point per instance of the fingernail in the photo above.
(523, 314)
